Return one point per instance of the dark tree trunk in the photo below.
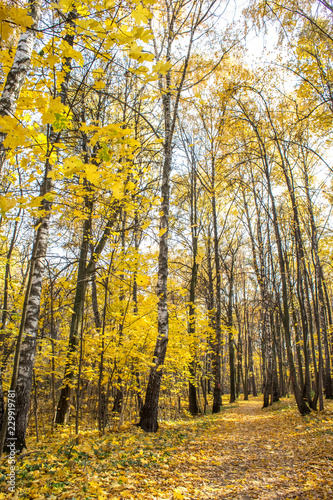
(303, 408)
(193, 399)
(246, 342)
(275, 382)
(279, 348)
(301, 404)
(5, 313)
(230, 334)
(119, 398)
(266, 358)
(100, 327)
(251, 369)
(217, 392)
(77, 317)
(135, 301)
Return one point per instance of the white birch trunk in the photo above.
(22, 375)
(28, 348)
(18, 72)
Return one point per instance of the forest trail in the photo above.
(268, 454)
(243, 453)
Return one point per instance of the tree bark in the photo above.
(18, 72)
(328, 386)
(77, 316)
(217, 392)
(25, 349)
(149, 411)
(229, 325)
(301, 404)
(193, 401)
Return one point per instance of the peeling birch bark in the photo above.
(149, 411)
(26, 349)
(18, 72)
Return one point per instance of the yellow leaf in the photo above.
(99, 85)
(98, 72)
(117, 190)
(91, 173)
(141, 15)
(162, 67)
(177, 495)
(20, 16)
(6, 204)
(72, 165)
(137, 53)
(36, 202)
(53, 175)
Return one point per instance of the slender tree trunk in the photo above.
(210, 299)
(251, 367)
(5, 312)
(18, 72)
(296, 329)
(275, 381)
(303, 408)
(102, 394)
(53, 338)
(26, 349)
(35, 407)
(231, 339)
(246, 343)
(279, 342)
(135, 302)
(100, 327)
(118, 401)
(78, 384)
(149, 411)
(77, 316)
(266, 357)
(217, 393)
(301, 404)
(193, 402)
(328, 386)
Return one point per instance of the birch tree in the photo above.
(19, 70)
(179, 17)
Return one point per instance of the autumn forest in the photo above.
(166, 244)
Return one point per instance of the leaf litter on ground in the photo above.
(244, 453)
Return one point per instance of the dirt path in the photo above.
(251, 453)
(243, 453)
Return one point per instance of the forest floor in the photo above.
(243, 453)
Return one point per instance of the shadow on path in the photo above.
(252, 453)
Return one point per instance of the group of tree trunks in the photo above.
(289, 320)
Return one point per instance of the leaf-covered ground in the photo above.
(244, 453)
